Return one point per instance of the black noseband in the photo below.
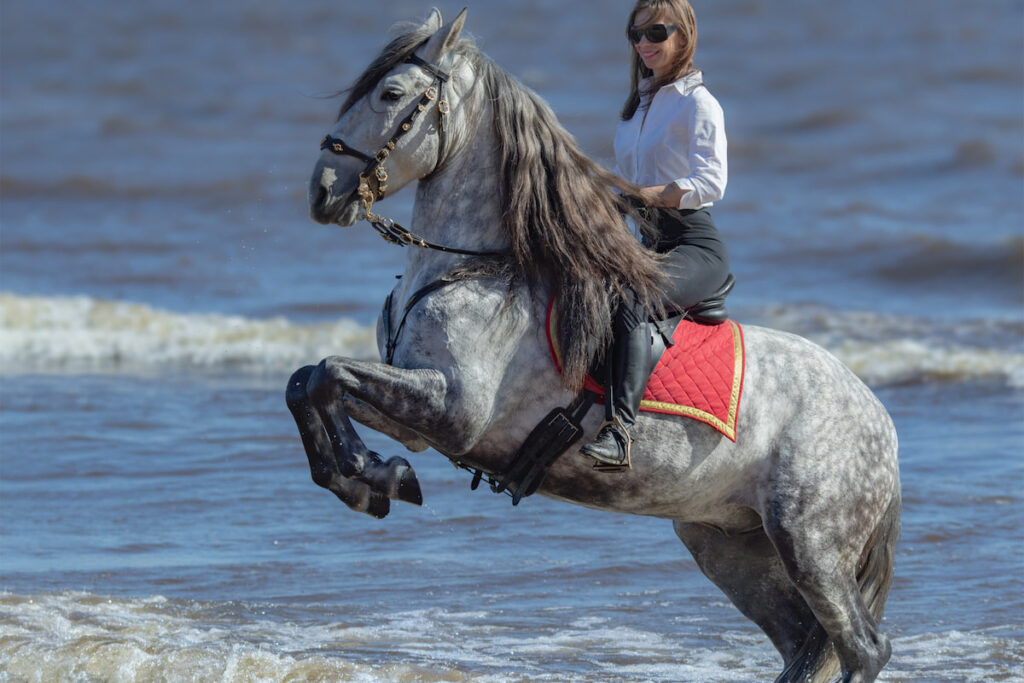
(338, 146)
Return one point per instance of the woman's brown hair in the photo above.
(680, 13)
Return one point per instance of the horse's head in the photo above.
(392, 129)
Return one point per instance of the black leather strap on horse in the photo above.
(375, 176)
(552, 437)
(338, 146)
(375, 172)
(392, 340)
(443, 107)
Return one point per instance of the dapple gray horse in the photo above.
(795, 521)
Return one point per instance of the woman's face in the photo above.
(658, 57)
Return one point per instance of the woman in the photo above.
(671, 143)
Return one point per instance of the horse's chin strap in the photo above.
(373, 180)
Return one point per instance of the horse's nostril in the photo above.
(318, 205)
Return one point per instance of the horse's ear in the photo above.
(434, 21)
(444, 38)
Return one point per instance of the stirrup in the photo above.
(607, 467)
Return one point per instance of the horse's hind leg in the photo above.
(356, 494)
(748, 570)
(824, 567)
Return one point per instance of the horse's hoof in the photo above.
(360, 497)
(408, 489)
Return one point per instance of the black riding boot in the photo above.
(631, 367)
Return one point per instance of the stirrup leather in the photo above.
(621, 467)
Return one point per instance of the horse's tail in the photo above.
(817, 661)
(875, 575)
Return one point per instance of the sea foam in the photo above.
(82, 333)
(82, 636)
(74, 333)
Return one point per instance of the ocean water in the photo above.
(160, 279)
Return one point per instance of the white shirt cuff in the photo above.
(689, 200)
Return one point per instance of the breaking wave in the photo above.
(81, 333)
(898, 349)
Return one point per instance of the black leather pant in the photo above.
(697, 258)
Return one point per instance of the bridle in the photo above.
(374, 177)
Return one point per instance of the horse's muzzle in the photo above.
(331, 200)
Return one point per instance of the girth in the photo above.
(552, 437)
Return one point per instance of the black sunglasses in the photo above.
(655, 33)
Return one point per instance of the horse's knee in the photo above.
(295, 392)
(322, 381)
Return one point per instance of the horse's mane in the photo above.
(564, 221)
(559, 210)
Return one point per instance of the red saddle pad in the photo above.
(700, 376)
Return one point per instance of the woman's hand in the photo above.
(662, 196)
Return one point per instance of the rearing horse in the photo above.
(795, 521)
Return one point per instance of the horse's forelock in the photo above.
(393, 54)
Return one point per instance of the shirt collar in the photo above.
(687, 83)
(684, 85)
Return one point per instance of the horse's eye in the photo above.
(391, 95)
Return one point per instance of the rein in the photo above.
(374, 177)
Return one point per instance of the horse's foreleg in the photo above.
(365, 414)
(410, 401)
(322, 465)
(393, 478)
(415, 399)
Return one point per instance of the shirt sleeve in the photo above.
(708, 152)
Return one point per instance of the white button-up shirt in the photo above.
(680, 139)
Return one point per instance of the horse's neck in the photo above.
(459, 206)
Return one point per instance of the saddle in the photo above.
(710, 311)
(697, 363)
